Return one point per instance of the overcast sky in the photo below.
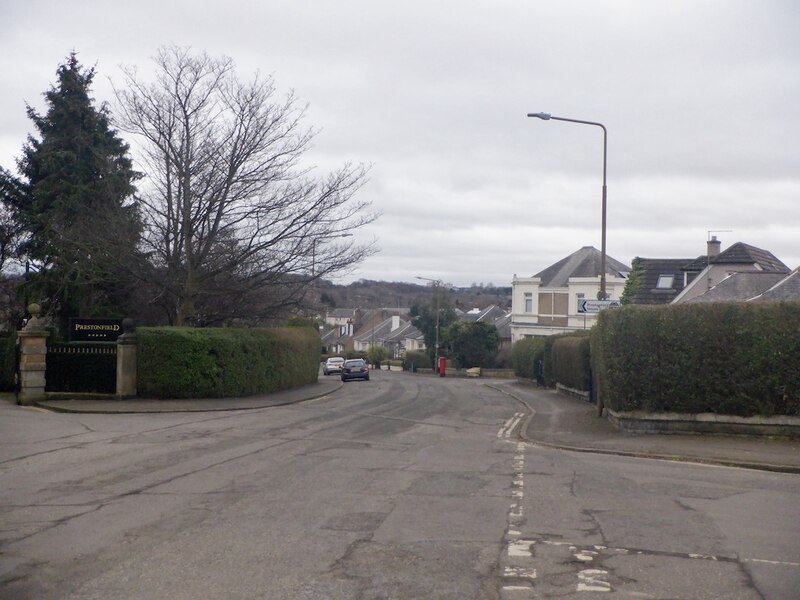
(701, 100)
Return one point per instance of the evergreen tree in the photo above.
(424, 312)
(634, 282)
(73, 201)
(473, 344)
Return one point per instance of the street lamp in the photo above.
(437, 283)
(314, 248)
(546, 117)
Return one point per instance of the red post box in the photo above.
(442, 365)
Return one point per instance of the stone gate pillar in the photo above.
(32, 358)
(126, 361)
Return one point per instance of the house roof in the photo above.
(582, 263)
(744, 253)
(787, 288)
(503, 326)
(652, 270)
(405, 331)
(341, 313)
(329, 336)
(489, 314)
(740, 254)
(738, 287)
(333, 336)
(380, 331)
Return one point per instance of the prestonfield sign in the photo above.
(94, 330)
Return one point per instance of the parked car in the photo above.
(356, 368)
(333, 365)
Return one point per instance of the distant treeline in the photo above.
(392, 294)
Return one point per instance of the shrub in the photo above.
(571, 361)
(416, 359)
(728, 358)
(180, 362)
(525, 354)
(503, 359)
(376, 355)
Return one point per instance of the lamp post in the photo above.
(314, 248)
(546, 117)
(437, 283)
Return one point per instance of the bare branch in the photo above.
(235, 227)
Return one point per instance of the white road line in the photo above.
(771, 562)
(591, 580)
(520, 572)
(509, 426)
(519, 548)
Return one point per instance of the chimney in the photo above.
(713, 247)
(395, 322)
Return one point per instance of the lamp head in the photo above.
(540, 115)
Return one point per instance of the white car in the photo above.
(333, 365)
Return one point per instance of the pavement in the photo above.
(553, 420)
(323, 387)
(561, 421)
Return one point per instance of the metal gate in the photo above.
(81, 368)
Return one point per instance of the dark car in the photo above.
(356, 368)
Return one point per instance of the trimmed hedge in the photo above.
(183, 362)
(571, 364)
(524, 356)
(418, 359)
(727, 358)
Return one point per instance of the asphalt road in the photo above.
(401, 487)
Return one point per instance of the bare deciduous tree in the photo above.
(236, 228)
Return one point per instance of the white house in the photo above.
(548, 302)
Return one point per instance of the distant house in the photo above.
(739, 287)
(549, 302)
(740, 273)
(745, 270)
(342, 316)
(491, 314)
(334, 342)
(503, 326)
(662, 279)
(487, 315)
(394, 334)
(787, 288)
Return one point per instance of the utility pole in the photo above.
(436, 284)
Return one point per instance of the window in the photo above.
(665, 282)
(553, 307)
(528, 302)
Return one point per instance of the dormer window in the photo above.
(665, 282)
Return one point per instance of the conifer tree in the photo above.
(73, 202)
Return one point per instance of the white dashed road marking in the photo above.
(519, 573)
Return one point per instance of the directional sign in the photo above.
(595, 306)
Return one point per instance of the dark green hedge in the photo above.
(416, 359)
(570, 357)
(524, 356)
(726, 358)
(182, 362)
